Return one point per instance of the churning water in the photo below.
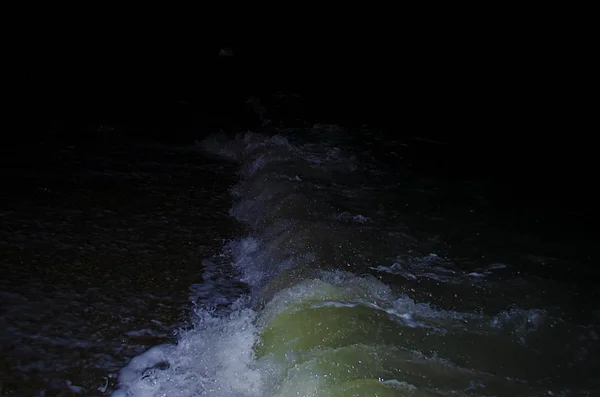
(363, 281)
(359, 269)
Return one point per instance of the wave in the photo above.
(325, 293)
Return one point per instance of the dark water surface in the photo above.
(311, 261)
(99, 246)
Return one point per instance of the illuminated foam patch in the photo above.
(335, 335)
(214, 359)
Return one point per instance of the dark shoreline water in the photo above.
(100, 245)
(105, 244)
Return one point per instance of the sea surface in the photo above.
(100, 245)
(313, 260)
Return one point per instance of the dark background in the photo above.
(511, 96)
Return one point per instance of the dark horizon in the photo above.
(499, 101)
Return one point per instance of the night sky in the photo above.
(509, 97)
